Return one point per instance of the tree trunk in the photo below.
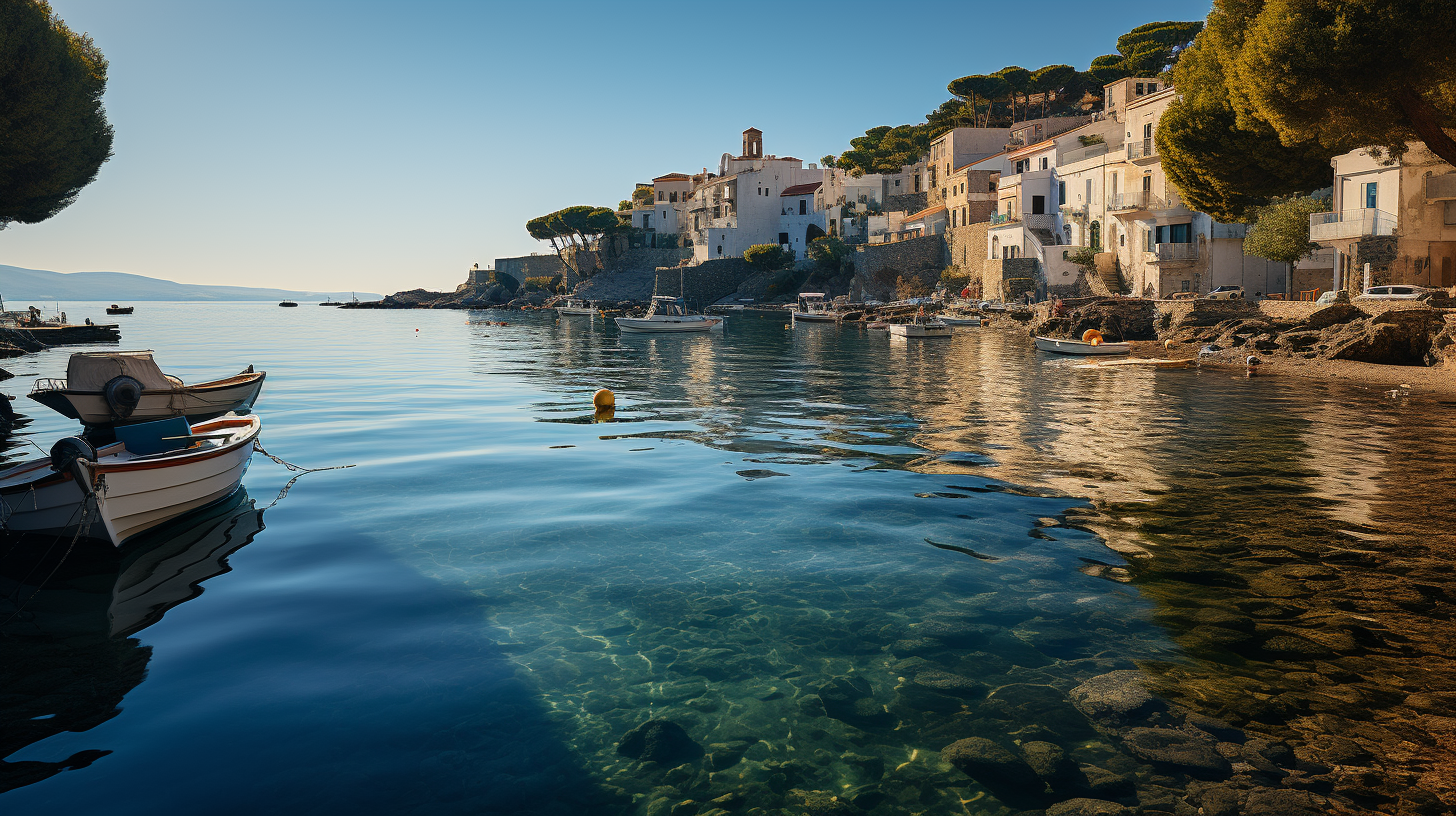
(1426, 120)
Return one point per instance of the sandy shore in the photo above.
(1379, 378)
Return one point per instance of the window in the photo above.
(1370, 196)
(1122, 239)
(1174, 234)
(1061, 193)
(720, 249)
(803, 206)
(1186, 285)
(672, 197)
(897, 182)
(1038, 205)
(660, 195)
(783, 237)
(1450, 213)
(1152, 86)
(1043, 162)
(1139, 89)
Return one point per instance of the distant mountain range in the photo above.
(19, 287)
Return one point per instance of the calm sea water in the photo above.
(470, 619)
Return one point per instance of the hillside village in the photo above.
(1063, 206)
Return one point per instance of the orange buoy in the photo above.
(1092, 336)
(604, 398)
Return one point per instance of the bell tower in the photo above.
(752, 144)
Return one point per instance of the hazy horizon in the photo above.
(332, 146)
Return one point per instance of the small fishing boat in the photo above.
(114, 309)
(812, 308)
(119, 387)
(1078, 347)
(921, 327)
(668, 314)
(288, 303)
(878, 325)
(332, 302)
(576, 306)
(151, 474)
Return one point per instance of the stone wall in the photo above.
(531, 266)
(966, 251)
(906, 202)
(922, 258)
(706, 283)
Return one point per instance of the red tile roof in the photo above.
(673, 177)
(925, 212)
(801, 189)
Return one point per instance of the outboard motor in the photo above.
(65, 455)
(123, 394)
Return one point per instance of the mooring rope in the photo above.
(298, 469)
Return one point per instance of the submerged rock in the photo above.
(851, 699)
(946, 683)
(1115, 699)
(1088, 807)
(999, 770)
(1052, 764)
(661, 741)
(1177, 750)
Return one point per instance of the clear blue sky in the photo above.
(385, 146)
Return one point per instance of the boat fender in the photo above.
(67, 452)
(123, 394)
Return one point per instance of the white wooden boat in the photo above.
(1149, 362)
(922, 327)
(668, 314)
(1078, 347)
(576, 306)
(120, 387)
(152, 474)
(812, 308)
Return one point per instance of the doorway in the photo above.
(1443, 264)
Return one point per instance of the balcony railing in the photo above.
(1088, 152)
(1004, 218)
(1332, 226)
(1176, 252)
(1140, 200)
(1441, 188)
(1077, 213)
(1141, 149)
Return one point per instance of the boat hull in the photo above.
(668, 325)
(913, 331)
(572, 311)
(132, 496)
(1054, 345)
(196, 403)
(960, 321)
(814, 317)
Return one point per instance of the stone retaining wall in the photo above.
(706, 283)
(906, 202)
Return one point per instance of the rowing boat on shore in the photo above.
(1078, 347)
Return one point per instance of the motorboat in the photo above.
(920, 327)
(287, 303)
(118, 387)
(1060, 346)
(153, 473)
(114, 309)
(812, 308)
(576, 306)
(668, 314)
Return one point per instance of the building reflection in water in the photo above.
(68, 651)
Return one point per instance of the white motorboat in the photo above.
(921, 327)
(153, 473)
(668, 314)
(957, 320)
(119, 387)
(812, 308)
(1078, 347)
(576, 306)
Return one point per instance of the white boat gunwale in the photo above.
(1066, 346)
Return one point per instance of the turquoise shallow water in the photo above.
(784, 541)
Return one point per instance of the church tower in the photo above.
(752, 144)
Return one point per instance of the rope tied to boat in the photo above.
(299, 470)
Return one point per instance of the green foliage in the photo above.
(1340, 73)
(912, 287)
(545, 283)
(54, 136)
(1223, 167)
(1086, 257)
(1089, 139)
(1280, 231)
(642, 197)
(768, 257)
(624, 204)
(576, 228)
(829, 253)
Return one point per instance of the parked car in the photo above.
(1226, 293)
(1396, 292)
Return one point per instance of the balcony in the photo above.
(1005, 218)
(1441, 188)
(1334, 226)
(1071, 213)
(1141, 149)
(1164, 253)
(1130, 202)
(1082, 153)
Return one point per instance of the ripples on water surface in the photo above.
(824, 555)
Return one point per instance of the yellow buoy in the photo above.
(1092, 336)
(604, 398)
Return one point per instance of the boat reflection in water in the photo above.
(67, 621)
